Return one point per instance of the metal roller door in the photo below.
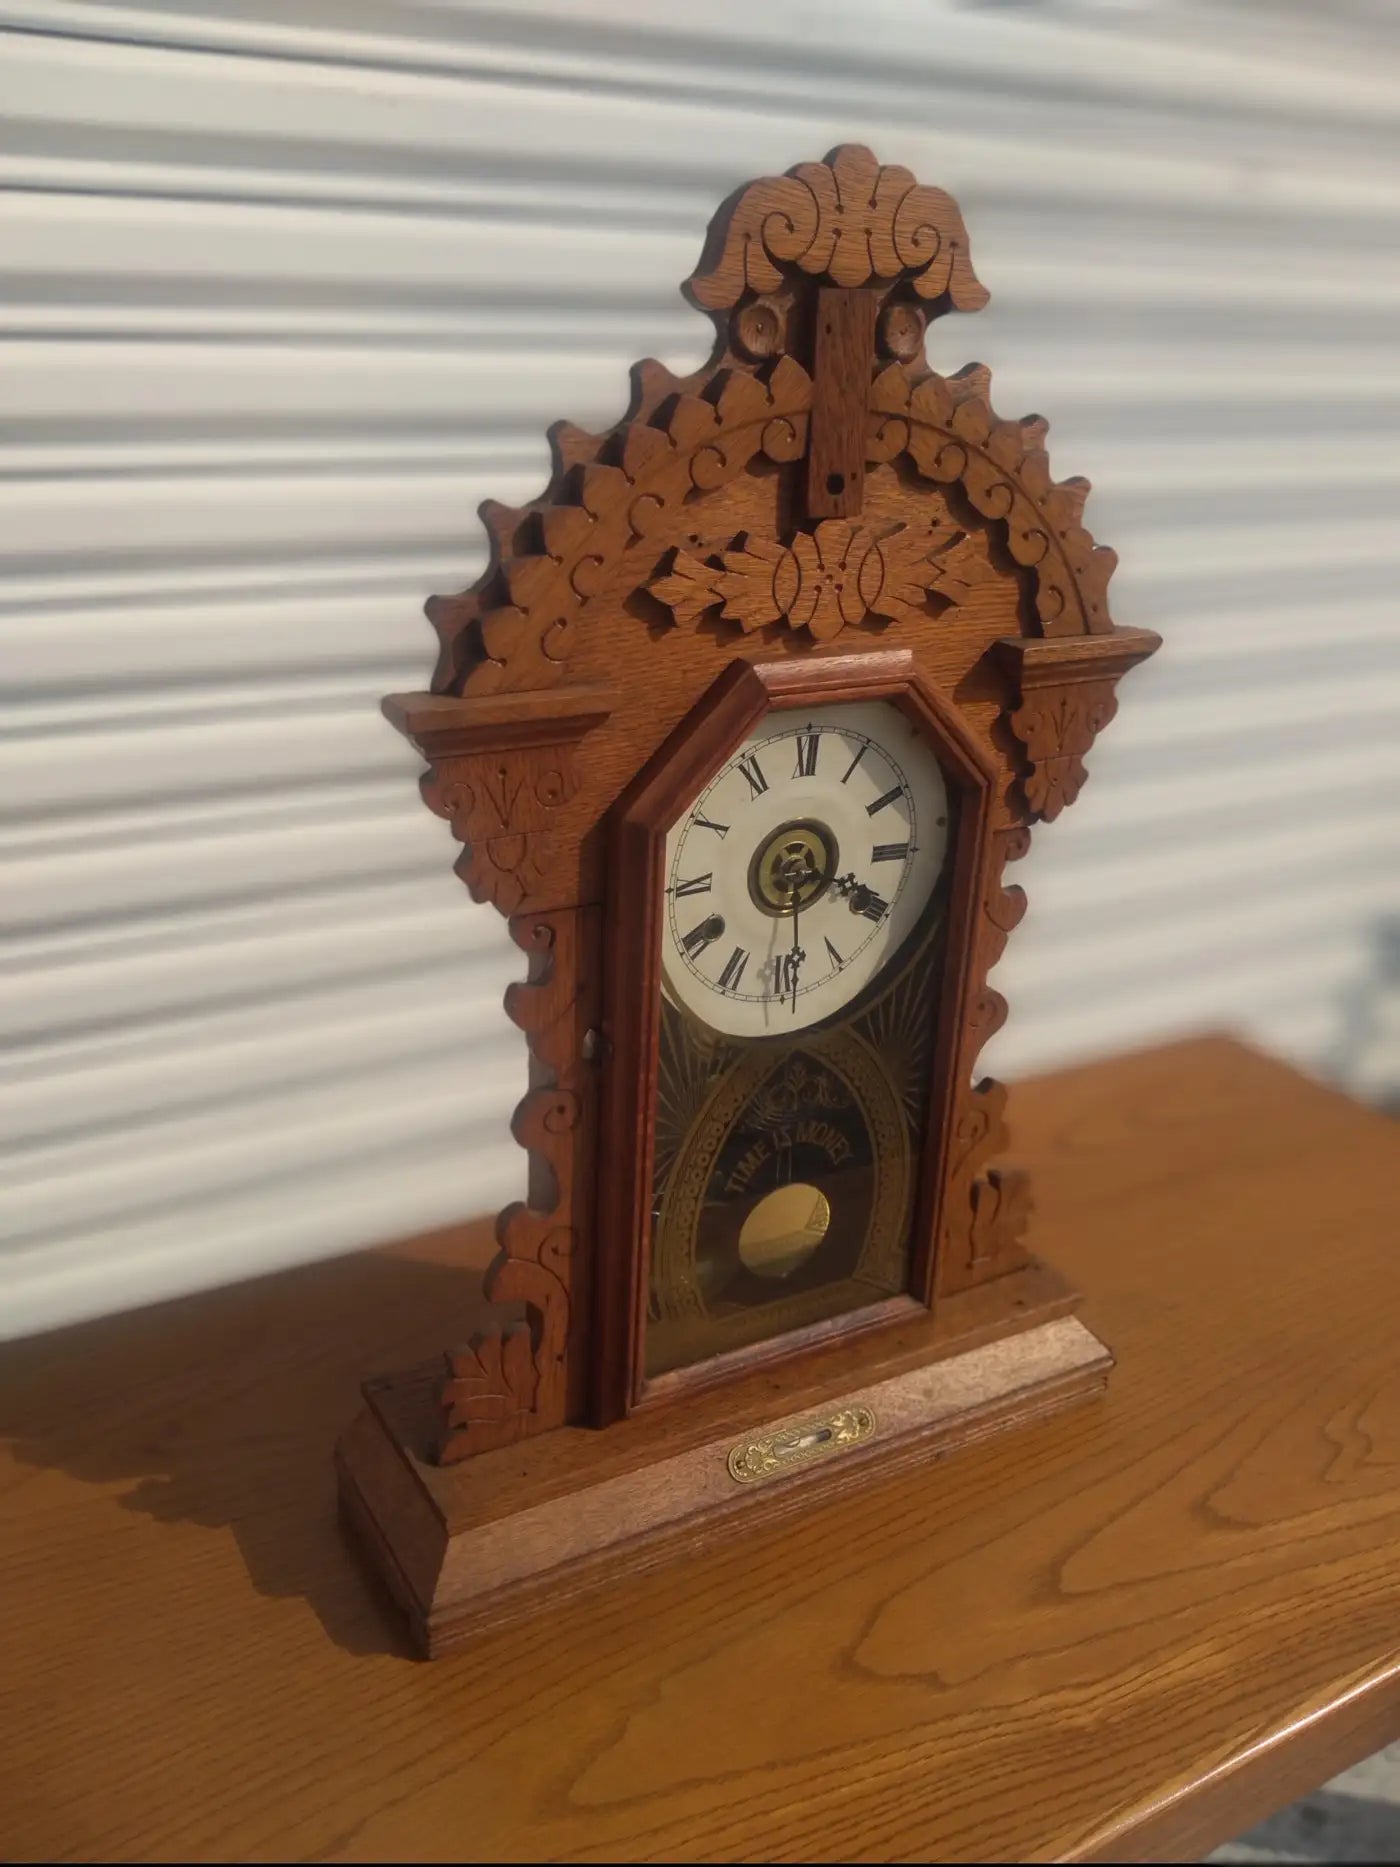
(287, 290)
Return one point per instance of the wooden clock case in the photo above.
(815, 516)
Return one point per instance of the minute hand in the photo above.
(796, 956)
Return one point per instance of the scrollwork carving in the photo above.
(696, 444)
(985, 1208)
(849, 220)
(512, 1378)
(628, 487)
(949, 430)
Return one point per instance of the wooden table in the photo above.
(1124, 1633)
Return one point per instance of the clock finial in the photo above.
(848, 221)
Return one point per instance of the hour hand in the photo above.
(785, 970)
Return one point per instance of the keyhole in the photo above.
(836, 482)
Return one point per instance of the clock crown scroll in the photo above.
(742, 730)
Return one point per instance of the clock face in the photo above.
(801, 868)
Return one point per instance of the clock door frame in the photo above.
(738, 700)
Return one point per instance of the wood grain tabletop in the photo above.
(1125, 1633)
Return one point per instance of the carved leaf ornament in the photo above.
(838, 574)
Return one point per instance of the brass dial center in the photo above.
(793, 866)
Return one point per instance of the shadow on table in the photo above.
(223, 1409)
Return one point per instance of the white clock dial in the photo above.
(801, 867)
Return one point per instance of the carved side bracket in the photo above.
(512, 1377)
(1065, 687)
(1066, 694)
(985, 1208)
(500, 768)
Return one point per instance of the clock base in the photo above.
(473, 1545)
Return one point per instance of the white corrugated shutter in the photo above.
(288, 289)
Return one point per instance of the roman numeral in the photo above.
(733, 970)
(703, 823)
(753, 771)
(807, 755)
(880, 802)
(888, 852)
(701, 934)
(874, 907)
(836, 958)
(854, 762)
(697, 885)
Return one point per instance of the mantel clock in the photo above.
(741, 731)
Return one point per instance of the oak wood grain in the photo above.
(459, 1572)
(843, 343)
(1122, 1633)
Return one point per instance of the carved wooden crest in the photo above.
(815, 488)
